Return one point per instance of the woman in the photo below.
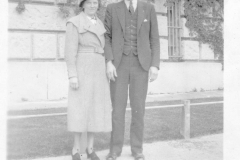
(89, 104)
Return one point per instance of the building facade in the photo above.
(37, 71)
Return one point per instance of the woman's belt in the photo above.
(90, 49)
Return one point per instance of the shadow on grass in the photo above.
(48, 136)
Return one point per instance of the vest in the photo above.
(130, 40)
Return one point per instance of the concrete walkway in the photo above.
(201, 148)
(184, 96)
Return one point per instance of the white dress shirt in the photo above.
(127, 2)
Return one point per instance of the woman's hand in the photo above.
(73, 82)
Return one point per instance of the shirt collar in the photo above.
(127, 2)
(92, 19)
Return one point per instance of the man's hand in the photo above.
(73, 81)
(153, 74)
(111, 71)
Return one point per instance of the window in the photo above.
(174, 30)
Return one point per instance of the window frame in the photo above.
(174, 31)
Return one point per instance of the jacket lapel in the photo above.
(98, 29)
(141, 14)
(121, 14)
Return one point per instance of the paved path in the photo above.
(184, 96)
(201, 148)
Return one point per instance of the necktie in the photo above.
(131, 9)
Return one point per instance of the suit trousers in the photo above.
(132, 79)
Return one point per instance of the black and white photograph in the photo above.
(117, 80)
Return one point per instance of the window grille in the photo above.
(174, 30)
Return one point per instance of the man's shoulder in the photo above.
(146, 3)
(113, 5)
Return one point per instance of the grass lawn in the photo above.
(148, 104)
(47, 136)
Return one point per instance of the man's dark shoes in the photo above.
(139, 156)
(92, 156)
(76, 156)
(112, 156)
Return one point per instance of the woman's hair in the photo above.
(83, 1)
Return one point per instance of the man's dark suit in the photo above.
(132, 70)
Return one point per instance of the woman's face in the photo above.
(90, 7)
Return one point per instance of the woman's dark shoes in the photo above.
(92, 156)
(76, 156)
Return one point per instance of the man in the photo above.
(132, 52)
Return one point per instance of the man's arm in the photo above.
(154, 39)
(154, 45)
(108, 34)
(111, 70)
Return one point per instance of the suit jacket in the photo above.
(148, 46)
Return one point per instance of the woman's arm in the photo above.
(71, 49)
